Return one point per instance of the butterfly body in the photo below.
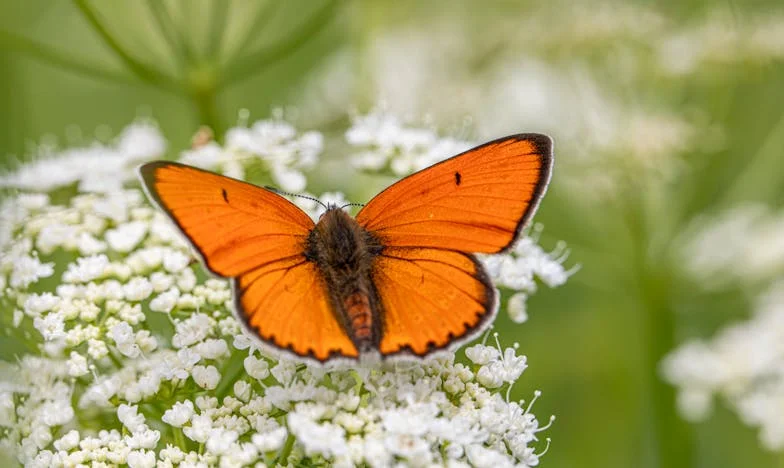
(344, 252)
(398, 280)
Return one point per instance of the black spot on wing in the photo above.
(225, 195)
(458, 178)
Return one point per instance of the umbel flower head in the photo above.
(129, 354)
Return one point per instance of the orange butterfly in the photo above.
(399, 279)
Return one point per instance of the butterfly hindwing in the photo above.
(286, 305)
(256, 237)
(477, 201)
(432, 299)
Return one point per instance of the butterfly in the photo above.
(399, 280)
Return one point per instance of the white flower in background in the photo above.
(385, 143)
(720, 39)
(276, 144)
(745, 244)
(128, 330)
(109, 165)
(743, 364)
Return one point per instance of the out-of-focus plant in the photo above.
(196, 50)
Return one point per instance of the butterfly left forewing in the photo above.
(233, 225)
(256, 238)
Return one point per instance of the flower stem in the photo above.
(673, 438)
(672, 441)
(142, 70)
(286, 450)
(179, 438)
(61, 59)
(232, 369)
(248, 64)
(207, 105)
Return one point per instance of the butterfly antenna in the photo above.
(352, 204)
(280, 192)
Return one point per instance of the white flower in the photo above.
(213, 348)
(206, 377)
(51, 327)
(220, 441)
(68, 441)
(517, 308)
(742, 364)
(130, 418)
(257, 368)
(126, 236)
(36, 304)
(165, 302)
(242, 390)
(77, 365)
(192, 330)
(745, 244)
(27, 270)
(270, 441)
(86, 269)
(325, 439)
(125, 340)
(138, 289)
(481, 354)
(141, 459)
(200, 428)
(175, 261)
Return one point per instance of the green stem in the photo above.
(248, 64)
(263, 16)
(285, 452)
(673, 435)
(672, 442)
(232, 369)
(757, 181)
(207, 105)
(219, 14)
(166, 26)
(61, 59)
(179, 438)
(142, 70)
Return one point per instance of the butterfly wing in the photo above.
(477, 201)
(256, 237)
(434, 293)
(431, 297)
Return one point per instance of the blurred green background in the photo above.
(661, 112)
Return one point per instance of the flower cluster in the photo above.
(744, 243)
(111, 165)
(384, 143)
(273, 147)
(518, 269)
(744, 362)
(132, 354)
